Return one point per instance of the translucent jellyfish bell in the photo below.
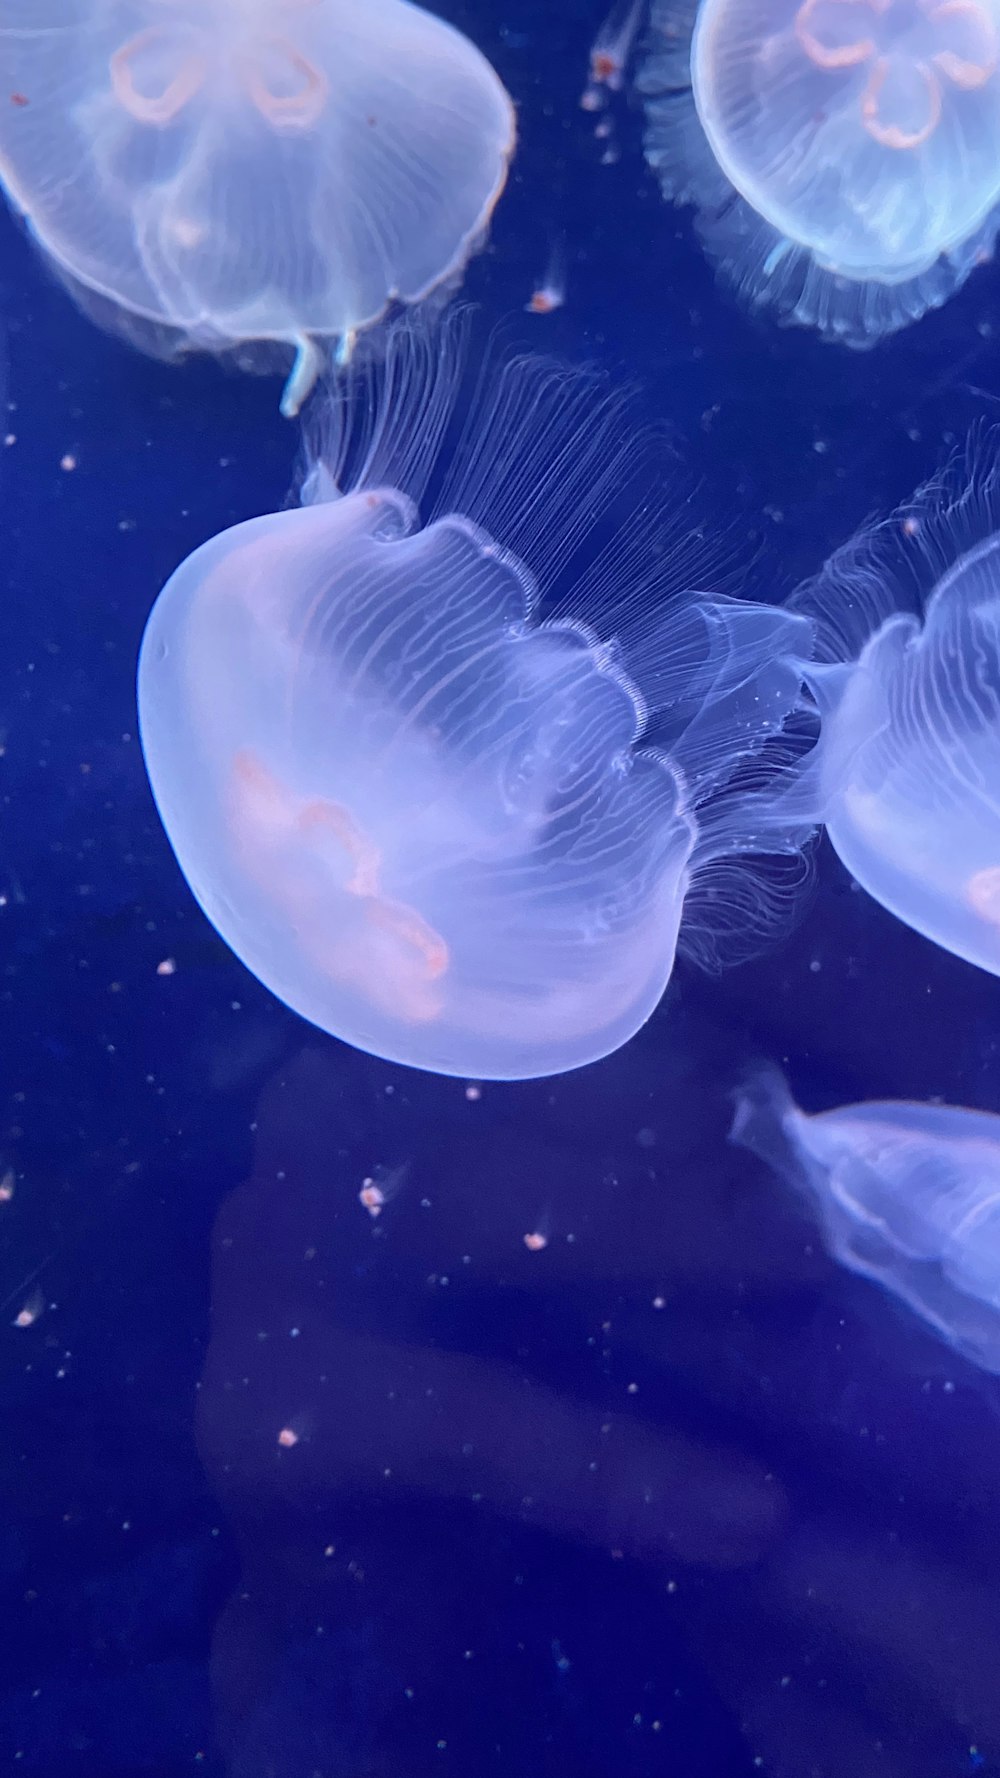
(210, 172)
(439, 826)
(906, 1194)
(906, 774)
(843, 155)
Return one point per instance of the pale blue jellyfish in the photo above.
(907, 1195)
(205, 173)
(445, 828)
(906, 679)
(843, 155)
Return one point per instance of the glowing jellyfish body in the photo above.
(906, 774)
(432, 824)
(907, 1195)
(210, 172)
(843, 155)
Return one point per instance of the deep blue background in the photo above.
(534, 1525)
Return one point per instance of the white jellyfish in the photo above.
(843, 155)
(906, 679)
(907, 1195)
(204, 173)
(439, 824)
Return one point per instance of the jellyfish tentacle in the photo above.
(303, 376)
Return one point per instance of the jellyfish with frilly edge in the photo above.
(222, 174)
(843, 156)
(449, 752)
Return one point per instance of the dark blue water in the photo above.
(670, 1498)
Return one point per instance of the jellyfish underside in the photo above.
(844, 160)
(205, 176)
(907, 1196)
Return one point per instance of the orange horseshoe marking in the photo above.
(963, 73)
(336, 820)
(302, 107)
(180, 92)
(412, 992)
(983, 890)
(413, 930)
(890, 135)
(850, 55)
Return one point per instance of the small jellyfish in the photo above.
(907, 1195)
(205, 174)
(409, 775)
(906, 681)
(843, 155)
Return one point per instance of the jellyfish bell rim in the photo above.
(457, 1059)
(157, 335)
(321, 516)
(933, 918)
(774, 275)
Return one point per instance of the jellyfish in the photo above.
(907, 1195)
(905, 677)
(211, 174)
(443, 749)
(843, 156)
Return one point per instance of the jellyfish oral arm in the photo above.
(303, 376)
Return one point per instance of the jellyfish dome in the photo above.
(843, 155)
(906, 680)
(204, 173)
(907, 1195)
(445, 827)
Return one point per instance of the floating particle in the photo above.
(32, 1308)
(380, 1187)
(550, 294)
(610, 52)
(372, 1197)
